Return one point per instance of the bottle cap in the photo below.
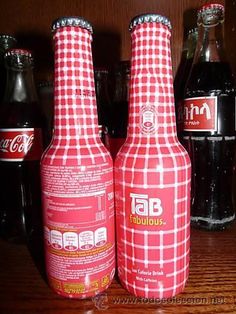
(211, 12)
(6, 42)
(211, 7)
(149, 18)
(6, 38)
(18, 52)
(19, 57)
(72, 21)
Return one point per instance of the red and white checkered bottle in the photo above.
(77, 174)
(152, 173)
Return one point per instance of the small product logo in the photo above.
(20, 144)
(148, 119)
(200, 114)
(145, 210)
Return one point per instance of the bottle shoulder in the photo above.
(21, 115)
(210, 77)
(153, 156)
(60, 153)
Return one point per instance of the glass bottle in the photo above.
(152, 172)
(46, 97)
(6, 42)
(77, 174)
(21, 145)
(185, 67)
(209, 125)
(120, 107)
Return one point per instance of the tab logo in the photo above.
(200, 114)
(143, 206)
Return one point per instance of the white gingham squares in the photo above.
(77, 175)
(152, 175)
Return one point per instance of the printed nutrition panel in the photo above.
(72, 193)
(72, 241)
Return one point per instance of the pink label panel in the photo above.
(79, 232)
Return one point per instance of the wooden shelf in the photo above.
(211, 287)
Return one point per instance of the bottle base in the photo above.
(79, 296)
(154, 295)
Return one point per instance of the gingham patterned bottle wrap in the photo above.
(76, 133)
(77, 174)
(152, 175)
(151, 81)
(75, 102)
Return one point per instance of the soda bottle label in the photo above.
(155, 238)
(78, 237)
(152, 208)
(200, 114)
(20, 144)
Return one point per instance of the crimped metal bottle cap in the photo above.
(72, 21)
(149, 18)
(5, 37)
(19, 58)
(6, 42)
(208, 12)
(211, 8)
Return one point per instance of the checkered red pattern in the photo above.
(152, 175)
(76, 131)
(77, 175)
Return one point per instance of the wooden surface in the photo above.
(30, 21)
(211, 287)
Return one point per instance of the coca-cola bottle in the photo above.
(185, 65)
(209, 125)
(152, 172)
(119, 120)
(77, 174)
(103, 104)
(21, 146)
(45, 93)
(6, 42)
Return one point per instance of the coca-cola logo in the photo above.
(199, 114)
(193, 111)
(20, 143)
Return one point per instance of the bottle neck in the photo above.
(151, 109)
(75, 112)
(191, 45)
(20, 86)
(210, 44)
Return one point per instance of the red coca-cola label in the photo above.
(200, 114)
(20, 144)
